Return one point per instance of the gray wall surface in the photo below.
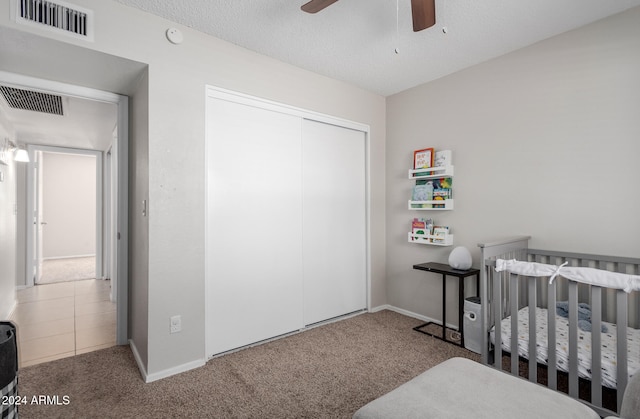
(545, 143)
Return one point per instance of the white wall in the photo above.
(545, 143)
(139, 224)
(7, 228)
(69, 205)
(177, 75)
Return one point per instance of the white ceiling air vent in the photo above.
(61, 17)
(30, 100)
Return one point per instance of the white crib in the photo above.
(524, 308)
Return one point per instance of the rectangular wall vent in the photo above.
(30, 100)
(57, 15)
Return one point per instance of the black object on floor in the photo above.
(8, 370)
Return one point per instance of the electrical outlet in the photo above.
(175, 324)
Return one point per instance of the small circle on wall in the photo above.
(174, 36)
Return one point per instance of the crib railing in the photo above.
(507, 293)
(629, 266)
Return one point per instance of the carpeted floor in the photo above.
(68, 269)
(326, 372)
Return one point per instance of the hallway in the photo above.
(64, 319)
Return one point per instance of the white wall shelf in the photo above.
(424, 205)
(431, 173)
(446, 240)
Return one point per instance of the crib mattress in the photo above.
(608, 349)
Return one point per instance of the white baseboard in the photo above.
(175, 370)
(148, 378)
(136, 356)
(69, 257)
(9, 314)
(411, 314)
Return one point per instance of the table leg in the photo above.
(461, 310)
(444, 307)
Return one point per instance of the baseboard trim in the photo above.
(136, 356)
(9, 315)
(408, 313)
(149, 378)
(175, 370)
(69, 257)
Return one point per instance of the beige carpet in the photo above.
(326, 372)
(68, 269)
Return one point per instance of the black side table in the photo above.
(444, 269)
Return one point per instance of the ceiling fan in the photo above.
(423, 11)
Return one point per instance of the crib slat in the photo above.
(552, 375)
(605, 294)
(485, 311)
(513, 296)
(621, 344)
(634, 301)
(573, 339)
(596, 344)
(583, 291)
(497, 319)
(533, 354)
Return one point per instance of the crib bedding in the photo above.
(608, 350)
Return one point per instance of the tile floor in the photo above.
(59, 320)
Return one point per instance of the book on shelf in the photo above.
(421, 226)
(423, 174)
(443, 158)
(422, 191)
(439, 183)
(432, 190)
(440, 233)
(441, 195)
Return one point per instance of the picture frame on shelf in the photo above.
(423, 159)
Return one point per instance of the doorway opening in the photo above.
(51, 141)
(68, 242)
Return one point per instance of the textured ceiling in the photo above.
(354, 40)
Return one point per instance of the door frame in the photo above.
(121, 227)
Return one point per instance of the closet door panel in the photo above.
(334, 221)
(254, 225)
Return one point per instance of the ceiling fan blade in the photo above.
(424, 14)
(314, 6)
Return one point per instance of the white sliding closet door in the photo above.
(334, 221)
(254, 225)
